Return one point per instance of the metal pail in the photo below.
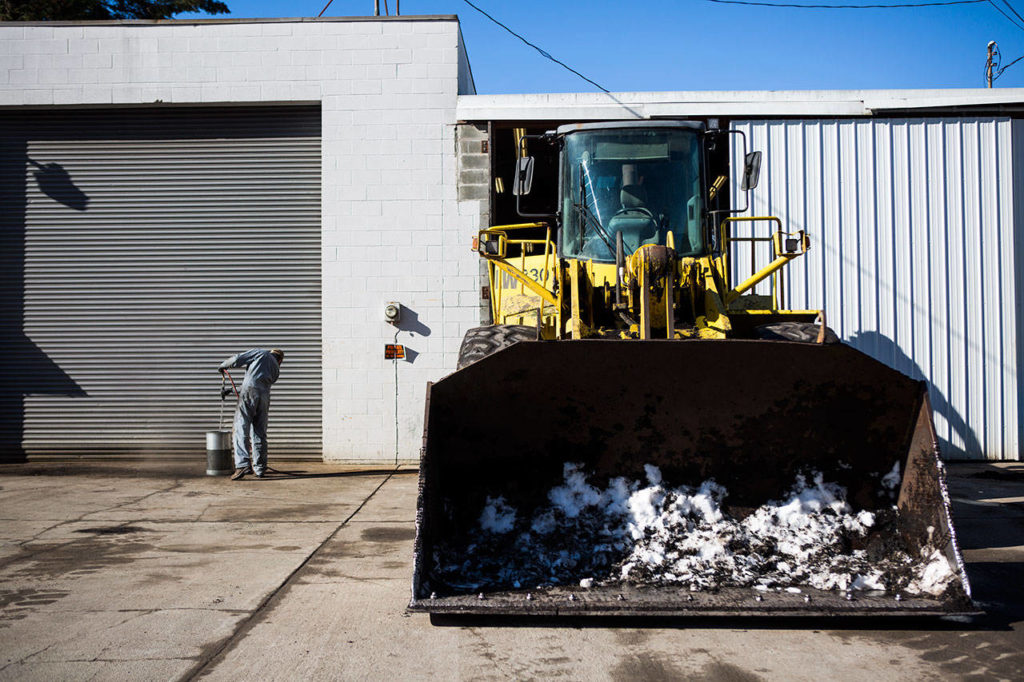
(218, 453)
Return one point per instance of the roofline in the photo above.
(233, 20)
(618, 125)
(736, 104)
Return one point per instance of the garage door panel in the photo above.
(145, 247)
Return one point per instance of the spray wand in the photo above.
(225, 392)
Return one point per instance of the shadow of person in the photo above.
(886, 350)
(56, 183)
(27, 370)
(30, 372)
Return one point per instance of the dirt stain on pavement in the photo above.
(112, 530)
(79, 557)
(645, 666)
(16, 604)
(281, 513)
(629, 638)
(717, 671)
(389, 534)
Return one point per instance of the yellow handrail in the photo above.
(780, 251)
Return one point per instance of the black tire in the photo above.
(804, 332)
(480, 342)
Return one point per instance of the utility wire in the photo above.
(548, 56)
(1004, 68)
(1007, 3)
(324, 9)
(887, 6)
(1008, 17)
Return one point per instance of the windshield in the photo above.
(642, 183)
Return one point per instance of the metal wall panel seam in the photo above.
(916, 218)
(1017, 260)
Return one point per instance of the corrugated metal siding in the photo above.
(913, 254)
(141, 248)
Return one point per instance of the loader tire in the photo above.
(804, 332)
(480, 342)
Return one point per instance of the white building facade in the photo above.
(174, 192)
(382, 94)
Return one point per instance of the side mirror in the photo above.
(751, 171)
(524, 176)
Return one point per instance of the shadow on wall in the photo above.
(25, 368)
(410, 324)
(56, 183)
(886, 350)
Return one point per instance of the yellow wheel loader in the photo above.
(644, 430)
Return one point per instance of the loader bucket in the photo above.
(750, 415)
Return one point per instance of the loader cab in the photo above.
(638, 180)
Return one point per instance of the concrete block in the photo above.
(42, 61)
(35, 96)
(397, 56)
(188, 93)
(67, 95)
(413, 71)
(25, 77)
(366, 87)
(141, 43)
(201, 74)
(97, 95)
(243, 93)
(470, 176)
(82, 45)
(367, 57)
(444, 72)
(95, 61)
(12, 61)
(45, 46)
(231, 74)
(475, 161)
(11, 33)
(306, 58)
(276, 29)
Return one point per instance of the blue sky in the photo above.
(701, 45)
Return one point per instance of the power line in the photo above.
(887, 6)
(1007, 3)
(548, 56)
(1008, 17)
(1004, 68)
(324, 9)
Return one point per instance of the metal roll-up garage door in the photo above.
(140, 248)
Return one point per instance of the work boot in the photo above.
(239, 474)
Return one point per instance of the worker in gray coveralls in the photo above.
(262, 369)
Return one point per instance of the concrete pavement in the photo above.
(148, 571)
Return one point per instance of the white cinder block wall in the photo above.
(392, 227)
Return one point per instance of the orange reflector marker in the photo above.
(476, 243)
(394, 351)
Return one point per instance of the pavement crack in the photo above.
(81, 518)
(246, 624)
(29, 554)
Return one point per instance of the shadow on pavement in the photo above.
(280, 474)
